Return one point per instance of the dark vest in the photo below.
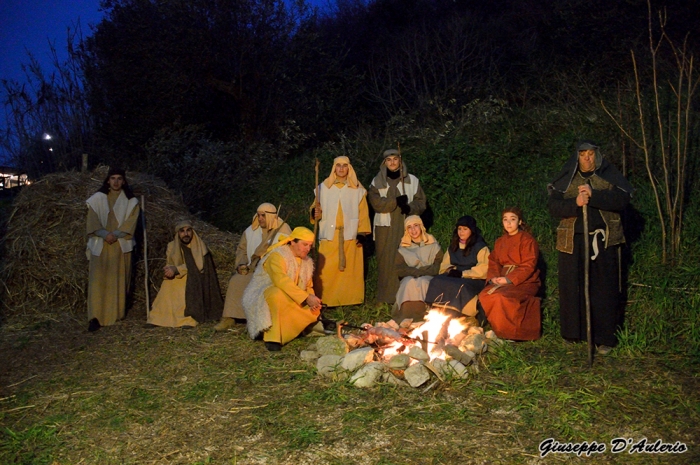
(466, 262)
(566, 229)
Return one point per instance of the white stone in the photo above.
(327, 365)
(418, 354)
(331, 345)
(399, 361)
(416, 375)
(367, 375)
(358, 357)
(459, 369)
(309, 355)
(441, 366)
(473, 342)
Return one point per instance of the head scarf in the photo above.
(271, 219)
(603, 168)
(196, 245)
(352, 181)
(470, 223)
(406, 240)
(380, 181)
(300, 232)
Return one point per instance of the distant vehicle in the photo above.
(11, 178)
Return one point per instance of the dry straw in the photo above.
(44, 268)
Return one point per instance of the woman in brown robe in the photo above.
(510, 299)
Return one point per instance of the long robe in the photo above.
(109, 275)
(462, 293)
(191, 297)
(513, 310)
(286, 299)
(415, 276)
(604, 271)
(338, 287)
(388, 238)
(233, 306)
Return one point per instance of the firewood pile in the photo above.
(408, 353)
(44, 269)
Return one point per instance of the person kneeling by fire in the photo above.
(279, 302)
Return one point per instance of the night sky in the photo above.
(29, 25)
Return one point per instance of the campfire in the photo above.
(407, 353)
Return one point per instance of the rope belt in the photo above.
(595, 234)
(341, 248)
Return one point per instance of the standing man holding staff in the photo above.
(589, 181)
(394, 194)
(343, 218)
(113, 212)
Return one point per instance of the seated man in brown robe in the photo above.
(190, 293)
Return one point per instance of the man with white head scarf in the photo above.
(280, 302)
(264, 231)
(343, 220)
(394, 194)
(190, 293)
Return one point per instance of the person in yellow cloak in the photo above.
(280, 302)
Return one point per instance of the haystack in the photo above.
(44, 269)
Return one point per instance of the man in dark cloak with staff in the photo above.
(589, 187)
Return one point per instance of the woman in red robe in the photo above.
(510, 299)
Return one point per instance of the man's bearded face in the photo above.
(185, 234)
(262, 219)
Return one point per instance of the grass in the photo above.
(129, 395)
(199, 396)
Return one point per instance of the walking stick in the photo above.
(145, 256)
(316, 205)
(403, 185)
(586, 284)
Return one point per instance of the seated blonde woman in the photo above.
(417, 261)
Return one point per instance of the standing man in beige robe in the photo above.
(261, 234)
(113, 212)
(190, 293)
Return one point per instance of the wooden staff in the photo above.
(145, 256)
(403, 185)
(586, 284)
(316, 205)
